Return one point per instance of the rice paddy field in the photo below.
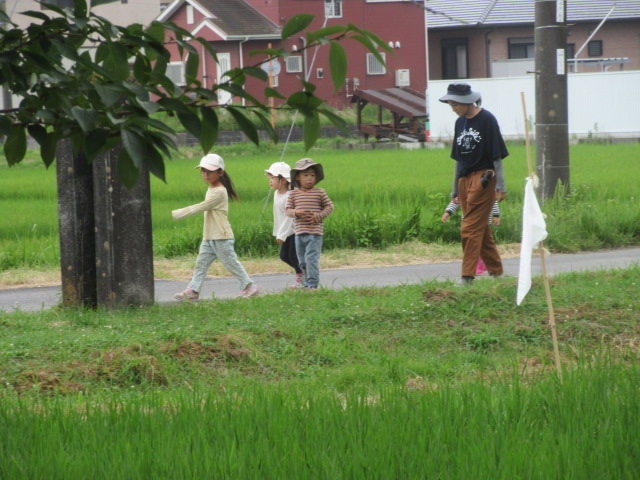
(382, 198)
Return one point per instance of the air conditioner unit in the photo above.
(402, 78)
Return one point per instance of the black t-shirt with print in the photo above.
(477, 142)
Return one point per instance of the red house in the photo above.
(236, 27)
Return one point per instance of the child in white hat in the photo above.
(217, 238)
(279, 175)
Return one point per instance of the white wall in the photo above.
(602, 103)
(134, 11)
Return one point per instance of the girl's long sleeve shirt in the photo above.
(215, 208)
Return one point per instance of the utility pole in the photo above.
(552, 118)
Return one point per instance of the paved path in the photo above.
(38, 298)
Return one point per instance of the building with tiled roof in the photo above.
(493, 38)
(236, 27)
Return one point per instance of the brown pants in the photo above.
(477, 238)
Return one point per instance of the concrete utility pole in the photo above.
(552, 119)
(106, 249)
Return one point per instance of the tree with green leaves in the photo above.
(90, 92)
(83, 78)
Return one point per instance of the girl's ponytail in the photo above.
(225, 179)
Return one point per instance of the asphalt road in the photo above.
(42, 298)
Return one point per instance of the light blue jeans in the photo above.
(308, 248)
(224, 251)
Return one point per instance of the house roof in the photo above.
(233, 18)
(461, 13)
(406, 102)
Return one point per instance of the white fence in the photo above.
(600, 104)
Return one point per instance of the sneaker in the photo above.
(481, 268)
(299, 281)
(251, 291)
(187, 295)
(465, 281)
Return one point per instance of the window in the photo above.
(175, 72)
(595, 48)
(521, 48)
(190, 15)
(333, 8)
(571, 50)
(454, 58)
(294, 64)
(374, 67)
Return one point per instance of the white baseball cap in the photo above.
(211, 162)
(280, 169)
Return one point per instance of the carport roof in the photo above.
(407, 102)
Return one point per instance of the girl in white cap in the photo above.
(217, 238)
(279, 175)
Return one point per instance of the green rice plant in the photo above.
(382, 198)
(584, 427)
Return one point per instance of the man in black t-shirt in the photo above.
(478, 149)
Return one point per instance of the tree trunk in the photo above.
(76, 228)
(124, 247)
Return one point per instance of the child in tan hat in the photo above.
(309, 205)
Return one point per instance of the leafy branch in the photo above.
(80, 77)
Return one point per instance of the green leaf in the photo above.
(38, 133)
(116, 62)
(134, 145)
(208, 47)
(296, 24)
(247, 127)
(272, 92)
(95, 142)
(15, 146)
(141, 68)
(85, 118)
(266, 125)
(149, 107)
(173, 105)
(156, 32)
(338, 65)
(191, 122)
(48, 149)
(80, 9)
(128, 173)
(325, 32)
(334, 119)
(154, 163)
(210, 128)
(311, 130)
(191, 68)
(5, 125)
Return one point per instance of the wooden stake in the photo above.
(552, 320)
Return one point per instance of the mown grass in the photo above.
(331, 340)
(382, 198)
(418, 381)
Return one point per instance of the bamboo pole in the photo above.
(552, 319)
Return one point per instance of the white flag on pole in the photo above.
(534, 230)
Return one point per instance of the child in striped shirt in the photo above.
(309, 206)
